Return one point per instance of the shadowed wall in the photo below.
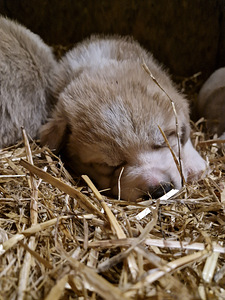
(187, 36)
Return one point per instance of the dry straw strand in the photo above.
(177, 245)
(148, 71)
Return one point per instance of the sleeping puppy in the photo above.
(26, 65)
(108, 116)
(211, 102)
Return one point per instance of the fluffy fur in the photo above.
(26, 66)
(108, 114)
(211, 101)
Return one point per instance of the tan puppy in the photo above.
(26, 65)
(108, 114)
(211, 101)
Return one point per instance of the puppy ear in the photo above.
(53, 132)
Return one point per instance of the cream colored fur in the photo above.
(108, 117)
(26, 66)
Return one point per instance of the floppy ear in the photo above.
(53, 132)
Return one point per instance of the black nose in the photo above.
(161, 190)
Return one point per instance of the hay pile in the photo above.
(61, 239)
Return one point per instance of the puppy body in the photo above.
(26, 65)
(112, 110)
(211, 101)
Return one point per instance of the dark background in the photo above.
(187, 36)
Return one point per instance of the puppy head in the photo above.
(114, 122)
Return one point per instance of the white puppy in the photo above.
(211, 101)
(108, 117)
(26, 65)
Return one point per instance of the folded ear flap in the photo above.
(53, 133)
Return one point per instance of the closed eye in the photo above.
(171, 133)
(183, 135)
(102, 168)
(164, 145)
(157, 147)
(171, 136)
(106, 169)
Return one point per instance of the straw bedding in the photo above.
(60, 238)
